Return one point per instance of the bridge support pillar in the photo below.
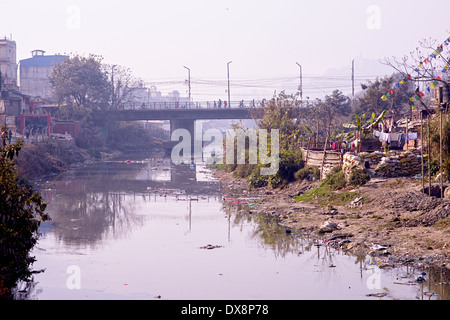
(189, 125)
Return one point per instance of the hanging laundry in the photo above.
(394, 137)
(412, 136)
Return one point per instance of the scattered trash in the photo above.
(328, 226)
(210, 246)
(378, 247)
(421, 278)
(288, 231)
(356, 202)
(331, 212)
(377, 295)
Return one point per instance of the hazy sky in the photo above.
(264, 39)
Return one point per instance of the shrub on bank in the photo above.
(358, 177)
(336, 179)
(310, 173)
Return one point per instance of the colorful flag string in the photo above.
(434, 55)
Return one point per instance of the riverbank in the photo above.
(38, 159)
(387, 217)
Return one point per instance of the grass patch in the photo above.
(330, 192)
(326, 196)
(443, 224)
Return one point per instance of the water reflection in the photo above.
(85, 219)
(327, 262)
(121, 220)
(98, 201)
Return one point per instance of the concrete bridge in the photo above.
(180, 118)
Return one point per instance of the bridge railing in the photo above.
(218, 104)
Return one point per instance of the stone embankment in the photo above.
(394, 164)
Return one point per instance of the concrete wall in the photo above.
(34, 81)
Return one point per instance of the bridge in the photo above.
(181, 118)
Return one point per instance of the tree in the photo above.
(371, 101)
(21, 212)
(279, 113)
(80, 85)
(426, 70)
(121, 84)
(337, 105)
(363, 127)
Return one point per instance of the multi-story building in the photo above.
(35, 73)
(8, 66)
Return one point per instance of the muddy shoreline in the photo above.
(388, 218)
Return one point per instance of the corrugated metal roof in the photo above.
(44, 61)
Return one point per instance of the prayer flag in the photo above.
(438, 78)
(411, 99)
(391, 92)
(383, 97)
(398, 85)
(434, 84)
(439, 49)
(428, 88)
(416, 97)
(408, 77)
(421, 94)
(433, 55)
(427, 61)
(402, 81)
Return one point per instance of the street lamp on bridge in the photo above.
(228, 75)
(189, 81)
(300, 87)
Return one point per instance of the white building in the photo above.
(35, 73)
(8, 66)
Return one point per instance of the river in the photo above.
(145, 229)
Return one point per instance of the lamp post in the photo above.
(189, 81)
(228, 75)
(301, 82)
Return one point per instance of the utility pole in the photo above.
(353, 78)
(189, 81)
(301, 82)
(228, 75)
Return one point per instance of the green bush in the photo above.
(358, 177)
(257, 181)
(309, 173)
(336, 179)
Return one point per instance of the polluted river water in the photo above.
(146, 229)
